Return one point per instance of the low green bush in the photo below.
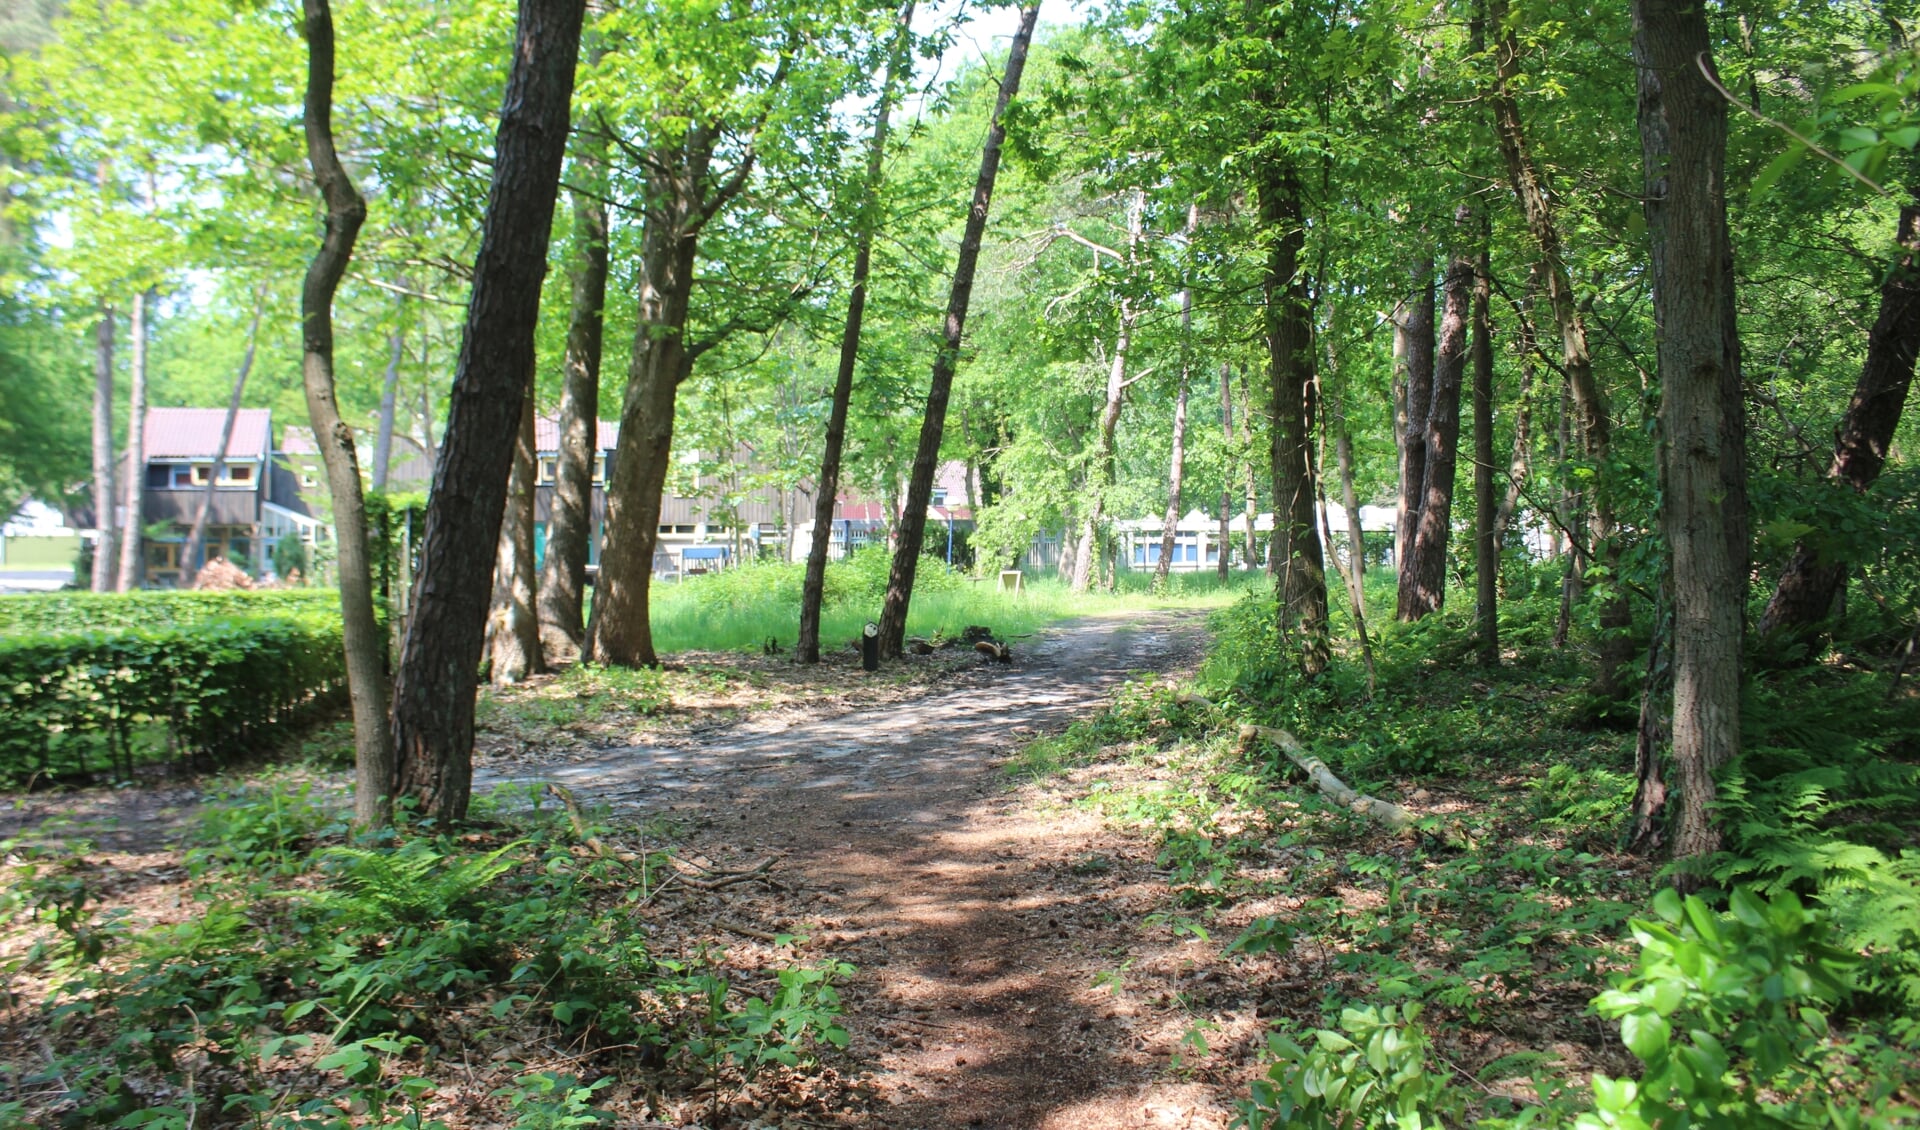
(62, 612)
(80, 702)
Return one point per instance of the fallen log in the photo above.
(1392, 815)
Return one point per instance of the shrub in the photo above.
(45, 613)
(213, 689)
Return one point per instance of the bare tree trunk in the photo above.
(813, 587)
(197, 536)
(1423, 575)
(1486, 547)
(1250, 502)
(1520, 461)
(434, 689)
(366, 652)
(1805, 594)
(1354, 570)
(906, 557)
(1594, 428)
(389, 397)
(1226, 477)
(1349, 501)
(1296, 552)
(1413, 359)
(1100, 469)
(1176, 471)
(563, 578)
(513, 628)
(132, 532)
(1683, 132)
(619, 631)
(103, 493)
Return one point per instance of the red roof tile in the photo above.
(194, 433)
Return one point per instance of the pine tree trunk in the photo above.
(103, 494)
(906, 557)
(389, 403)
(563, 577)
(813, 587)
(619, 631)
(1413, 360)
(1486, 548)
(197, 536)
(1683, 131)
(1423, 576)
(366, 652)
(1805, 594)
(1296, 551)
(132, 533)
(513, 628)
(434, 690)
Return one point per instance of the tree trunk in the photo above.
(1683, 131)
(197, 536)
(1177, 468)
(1250, 501)
(366, 652)
(1355, 570)
(1805, 594)
(619, 631)
(814, 587)
(1423, 575)
(563, 577)
(1413, 361)
(132, 532)
(1100, 470)
(434, 690)
(1296, 552)
(906, 557)
(1592, 425)
(513, 629)
(389, 397)
(103, 493)
(1350, 502)
(1486, 549)
(1520, 460)
(1226, 496)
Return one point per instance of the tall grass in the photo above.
(742, 608)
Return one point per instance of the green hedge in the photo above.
(79, 703)
(67, 612)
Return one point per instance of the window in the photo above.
(939, 496)
(241, 475)
(600, 469)
(549, 470)
(159, 475)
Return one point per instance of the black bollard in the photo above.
(870, 647)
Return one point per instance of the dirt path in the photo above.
(1004, 980)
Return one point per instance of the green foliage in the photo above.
(112, 700)
(60, 612)
(1373, 1072)
(366, 951)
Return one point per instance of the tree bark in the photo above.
(619, 631)
(103, 493)
(1413, 361)
(1805, 594)
(563, 577)
(1683, 131)
(389, 396)
(1592, 425)
(1520, 460)
(1423, 575)
(513, 629)
(132, 532)
(813, 587)
(1226, 468)
(913, 524)
(1486, 548)
(1296, 552)
(365, 650)
(1176, 471)
(197, 536)
(1100, 469)
(434, 689)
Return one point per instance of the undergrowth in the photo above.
(324, 981)
(1508, 964)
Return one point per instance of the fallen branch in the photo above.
(1392, 815)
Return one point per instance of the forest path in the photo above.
(980, 915)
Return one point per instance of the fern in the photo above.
(414, 884)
